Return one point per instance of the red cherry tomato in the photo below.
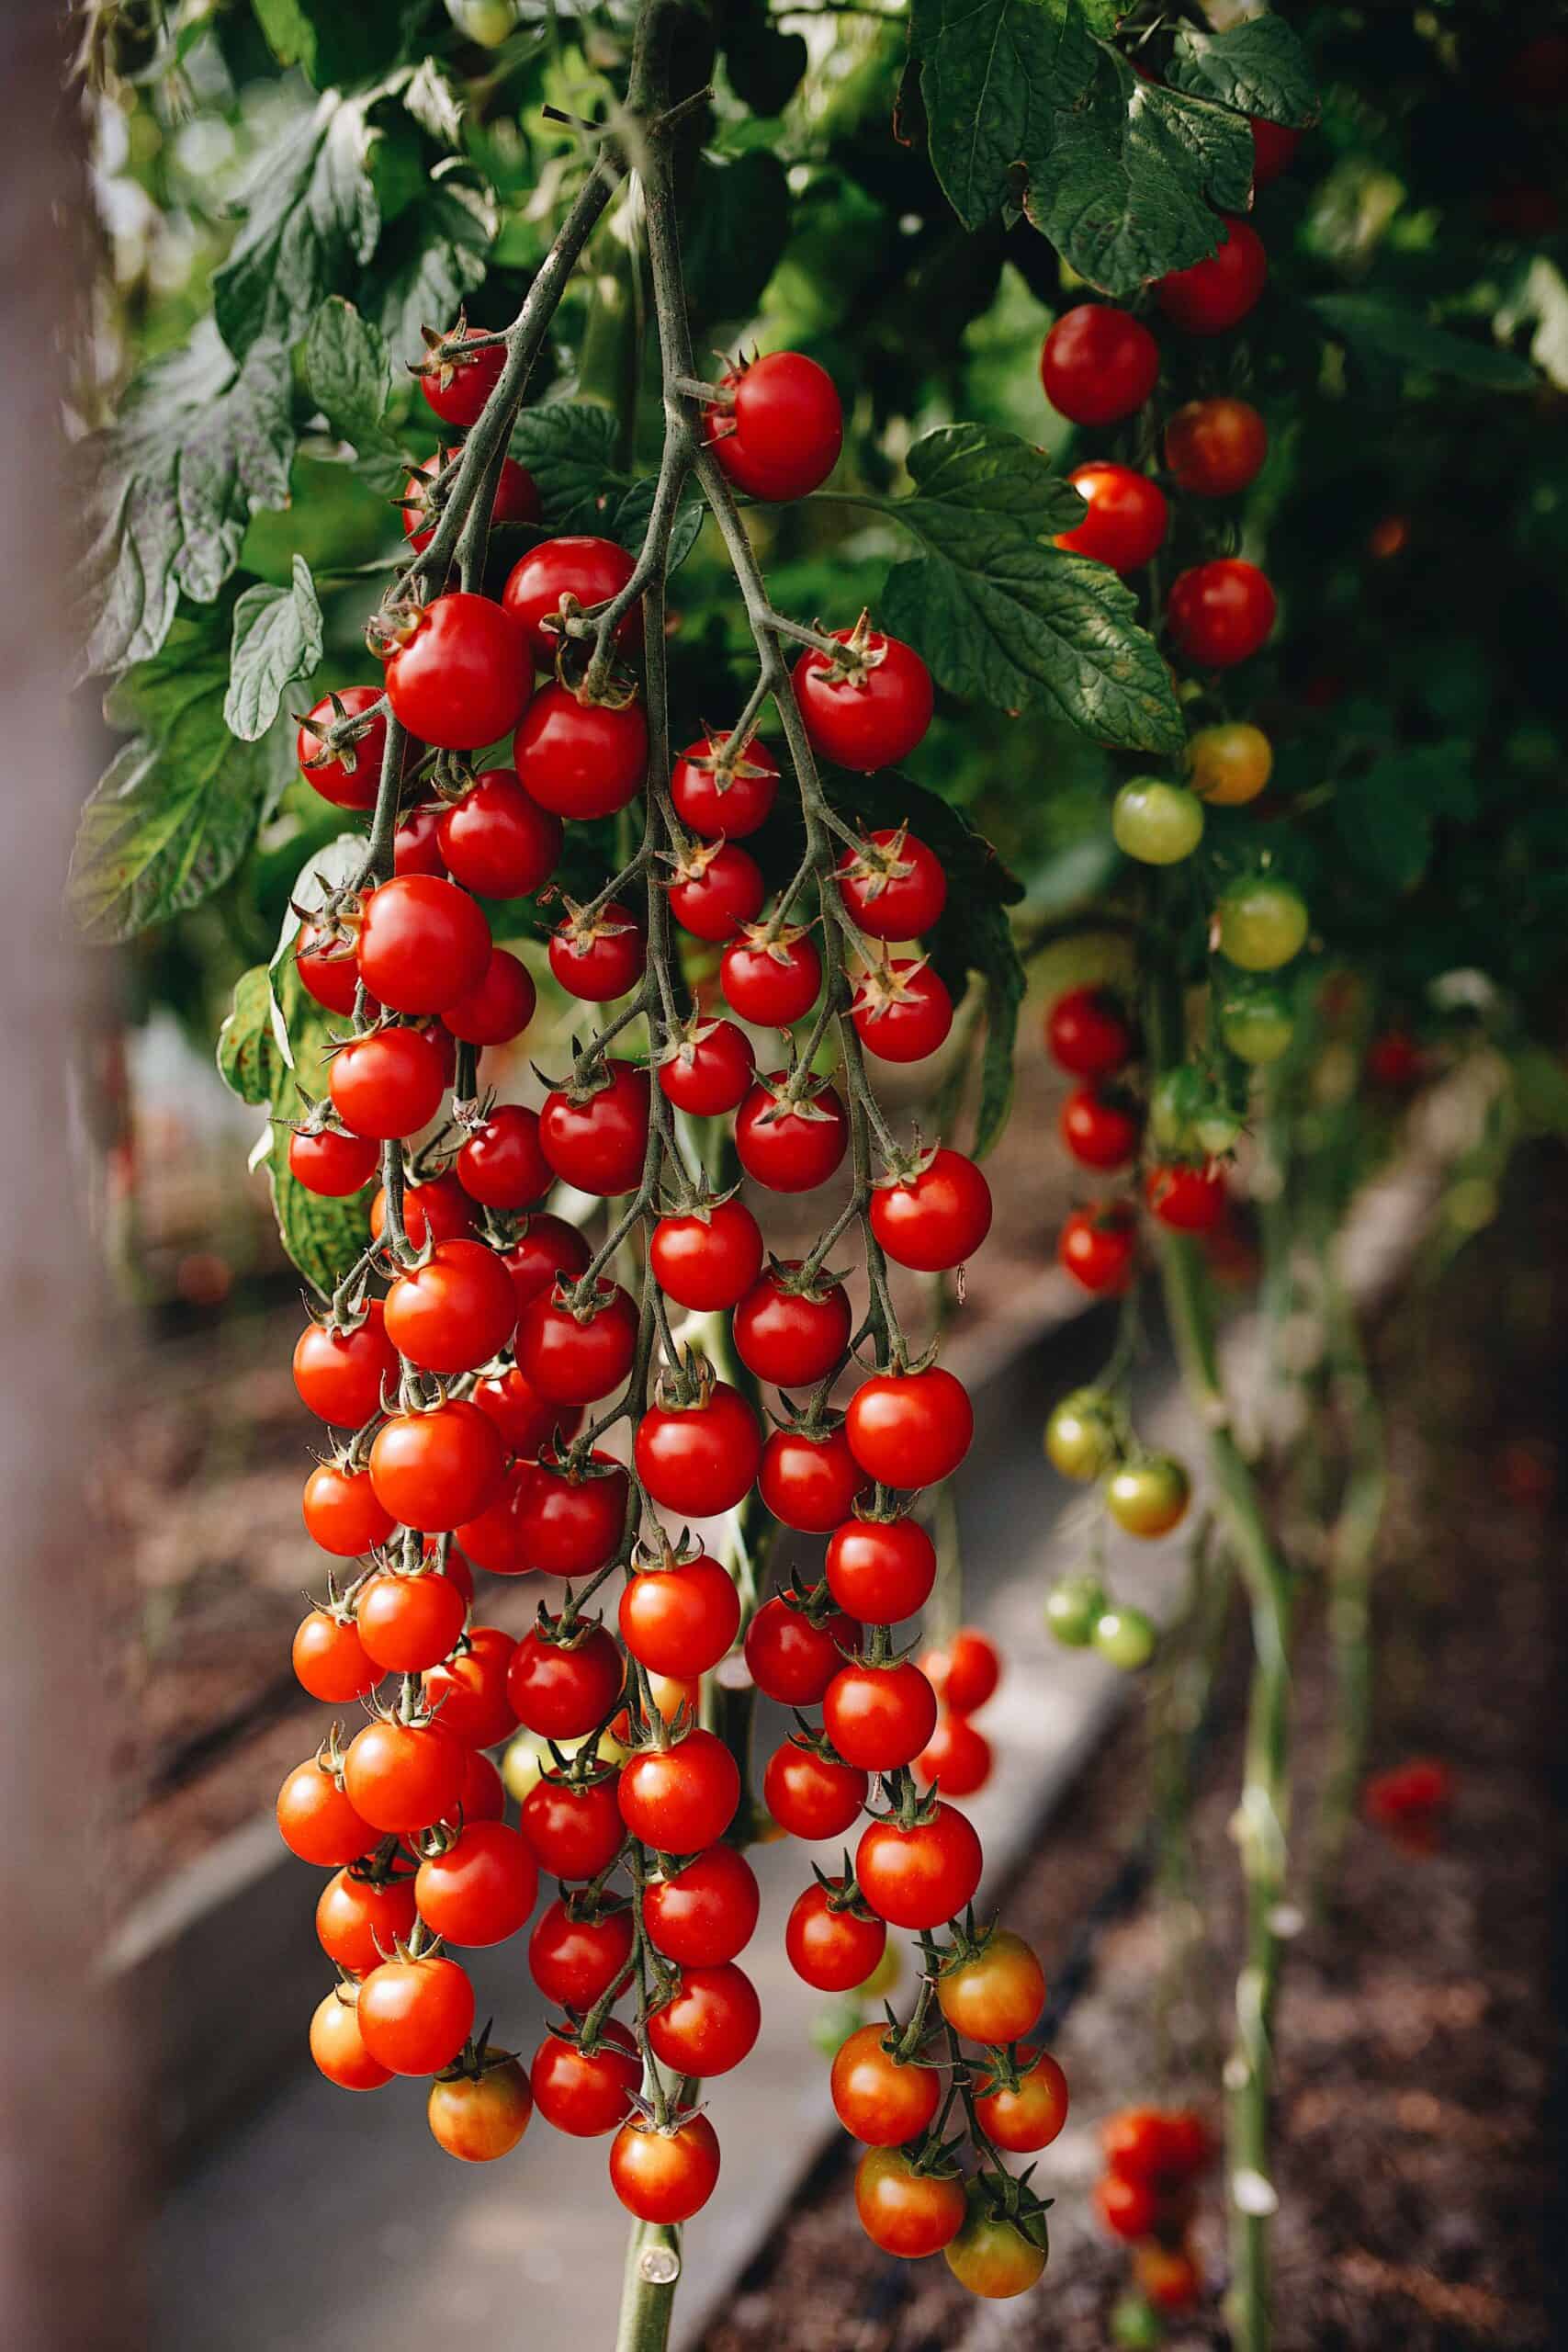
(575, 1356)
(919, 1877)
(1031, 2116)
(1273, 146)
(1100, 1129)
(1188, 1199)
(997, 1994)
(415, 2015)
(682, 1798)
(575, 1956)
(516, 498)
(401, 1776)
(1220, 613)
(349, 778)
(709, 2024)
(810, 1480)
(342, 1511)
(791, 1146)
(318, 1820)
(581, 759)
(879, 2099)
(957, 1757)
(327, 967)
(936, 1217)
(679, 1617)
(501, 1163)
(706, 1258)
(330, 1163)
(881, 1570)
(780, 434)
(482, 1889)
(457, 382)
(329, 1658)
(467, 1691)
(832, 1949)
(455, 1312)
(789, 1336)
(497, 840)
(359, 1918)
(905, 2211)
(545, 1247)
(811, 1796)
(1216, 447)
(771, 981)
(871, 717)
(793, 1660)
(338, 2047)
(387, 1083)
(723, 790)
(1097, 1246)
(706, 1913)
(599, 1142)
(438, 1210)
(570, 1520)
(716, 890)
(902, 1011)
(586, 2093)
(459, 674)
(341, 1372)
(435, 1469)
(416, 847)
(1087, 1033)
(909, 1429)
(708, 1069)
(591, 571)
(893, 888)
(407, 1623)
(964, 1671)
(499, 1007)
(573, 1826)
(599, 957)
(1126, 521)
(1098, 364)
(564, 1691)
(1215, 294)
(699, 1459)
(879, 1716)
(665, 2176)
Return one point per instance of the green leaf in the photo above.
(249, 1062)
(348, 371)
(276, 638)
(332, 43)
(1256, 67)
(986, 72)
(180, 804)
(311, 215)
(433, 100)
(1001, 613)
(971, 934)
(435, 256)
(199, 445)
(1371, 324)
(569, 446)
(740, 223)
(1385, 815)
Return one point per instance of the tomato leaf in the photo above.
(249, 1061)
(569, 446)
(311, 215)
(1385, 815)
(276, 638)
(1002, 614)
(1258, 67)
(1381, 329)
(741, 220)
(199, 445)
(435, 257)
(971, 934)
(180, 804)
(349, 372)
(332, 44)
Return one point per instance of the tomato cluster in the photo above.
(1147, 2197)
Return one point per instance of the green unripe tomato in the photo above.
(992, 2257)
(1256, 1023)
(1176, 1101)
(1080, 1436)
(1157, 823)
(1125, 1637)
(1073, 1608)
(1262, 923)
(1136, 2326)
(1217, 1130)
(1149, 1496)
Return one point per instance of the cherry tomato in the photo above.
(893, 888)
(402, 1776)
(833, 1950)
(501, 1163)
(479, 2118)
(709, 2024)
(881, 1570)
(318, 1820)
(791, 1146)
(879, 1716)
(771, 981)
(574, 1958)
(1080, 1436)
(524, 1419)
(581, 759)
(341, 1372)
(1256, 1023)
(1262, 923)
(1098, 364)
(408, 1622)
(809, 1479)
(868, 714)
(935, 1216)
(779, 437)
(359, 1919)
(573, 1826)
(1156, 822)
(1031, 2116)
(343, 1512)
(459, 674)
(909, 1429)
(811, 1796)
(1087, 1033)
(902, 1011)
(564, 1691)
(435, 1469)
(330, 1163)
(877, 2098)
(327, 966)
(1128, 2208)
(457, 382)
(482, 1889)
(991, 2255)
(1188, 1199)
(591, 571)
(792, 1659)
(665, 2176)
(1100, 1129)
(599, 957)
(1220, 613)
(919, 1877)
(455, 1312)
(493, 1537)
(682, 1798)
(329, 1658)
(338, 2046)
(716, 890)
(964, 1672)
(498, 1007)
(792, 1336)
(439, 1210)
(387, 1083)
(1216, 294)
(587, 2093)
(1229, 765)
(699, 1459)
(467, 1691)
(349, 778)
(415, 2015)
(957, 1755)
(708, 1070)
(681, 1617)
(1216, 447)
(572, 1356)
(484, 1796)
(599, 1142)
(709, 1257)
(1273, 145)
(997, 1994)
(706, 1913)
(516, 498)
(571, 1518)
(1097, 1246)
(1148, 1496)
(545, 1247)
(1127, 515)
(724, 789)
(905, 2211)
(416, 847)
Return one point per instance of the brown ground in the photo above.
(1417, 2032)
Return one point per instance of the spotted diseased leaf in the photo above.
(276, 638)
(569, 446)
(1256, 67)
(349, 372)
(971, 934)
(200, 445)
(180, 803)
(1001, 613)
(426, 265)
(310, 218)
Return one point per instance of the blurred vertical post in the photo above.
(68, 2155)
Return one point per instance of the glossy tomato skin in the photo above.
(957, 1757)
(338, 2046)
(772, 985)
(599, 1144)
(593, 570)
(469, 1690)
(907, 2212)
(919, 1877)
(681, 1799)
(991, 2255)
(1220, 613)
(500, 1164)
(881, 1570)
(343, 1512)
(1126, 525)
(482, 1889)
(329, 1660)
(415, 846)
(572, 1357)
(340, 1372)
(455, 1312)
(793, 1660)
(402, 1776)
(493, 1537)
(564, 1693)
(587, 2093)
(1148, 1496)
(327, 967)
(895, 887)
(812, 1797)
(706, 1259)
(1097, 1246)
(964, 1671)
(571, 1523)
(350, 778)
(479, 2118)
(1273, 147)
(779, 437)
(1098, 1129)
(516, 498)
(1098, 364)
(578, 759)
(359, 1919)
(415, 2015)
(574, 1828)
(879, 1716)
(1216, 447)
(910, 1429)
(1188, 1199)
(997, 1995)
(935, 1218)
(500, 1005)
(574, 1960)
(1087, 1033)
(791, 1147)
(1262, 923)
(497, 840)
(873, 723)
(1216, 294)
(830, 1950)
(547, 1246)
(879, 2099)
(1129, 2207)
(902, 1012)
(333, 1164)
(599, 960)
(810, 1480)
(524, 1419)
(318, 1820)
(679, 1619)
(388, 1083)
(462, 676)
(665, 2177)
(1229, 765)
(717, 804)
(792, 1337)
(716, 892)
(706, 1914)
(407, 1623)
(710, 2024)
(709, 1072)
(1031, 2116)
(438, 1210)
(699, 1459)
(434, 1470)
(471, 377)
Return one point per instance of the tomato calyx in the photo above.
(842, 1893)
(448, 350)
(687, 1385)
(1001, 2196)
(772, 937)
(885, 983)
(394, 625)
(851, 660)
(582, 926)
(723, 756)
(477, 2058)
(874, 865)
(338, 742)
